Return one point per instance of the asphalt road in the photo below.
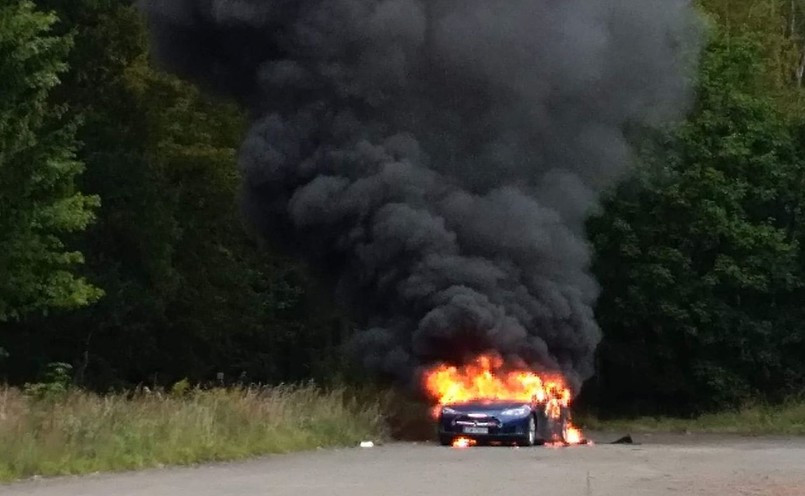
(668, 465)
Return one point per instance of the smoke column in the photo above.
(439, 157)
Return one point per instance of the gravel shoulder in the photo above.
(662, 464)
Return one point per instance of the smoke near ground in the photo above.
(439, 157)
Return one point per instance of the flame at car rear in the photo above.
(463, 442)
(573, 436)
(488, 378)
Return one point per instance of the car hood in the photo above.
(486, 408)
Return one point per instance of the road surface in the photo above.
(665, 465)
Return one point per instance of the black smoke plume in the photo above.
(440, 156)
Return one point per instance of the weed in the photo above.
(786, 419)
(78, 432)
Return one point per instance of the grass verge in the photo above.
(79, 432)
(786, 419)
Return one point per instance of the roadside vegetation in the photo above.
(785, 419)
(47, 430)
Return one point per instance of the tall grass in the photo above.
(79, 432)
(786, 419)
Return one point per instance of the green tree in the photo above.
(778, 28)
(39, 203)
(697, 255)
(189, 291)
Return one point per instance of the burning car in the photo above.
(489, 401)
(507, 422)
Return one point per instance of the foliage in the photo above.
(82, 432)
(785, 419)
(55, 383)
(697, 254)
(180, 388)
(189, 291)
(778, 27)
(39, 202)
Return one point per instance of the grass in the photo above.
(78, 432)
(787, 419)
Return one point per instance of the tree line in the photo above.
(123, 252)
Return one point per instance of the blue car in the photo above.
(504, 422)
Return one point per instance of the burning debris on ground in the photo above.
(439, 158)
(464, 442)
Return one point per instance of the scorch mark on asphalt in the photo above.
(662, 465)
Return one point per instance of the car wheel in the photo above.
(530, 439)
(446, 440)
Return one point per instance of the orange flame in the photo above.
(573, 435)
(553, 409)
(463, 442)
(487, 379)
